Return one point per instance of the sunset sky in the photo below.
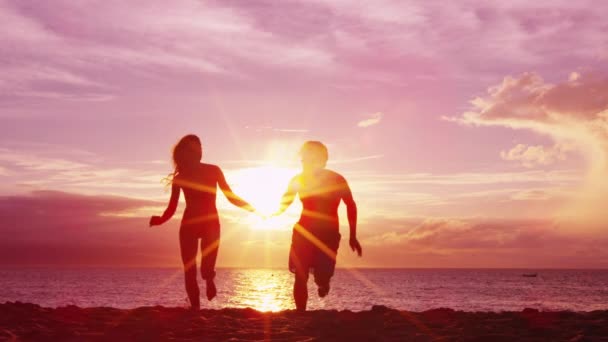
(472, 135)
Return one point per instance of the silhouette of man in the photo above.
(316, 236)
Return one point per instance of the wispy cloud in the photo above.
(538, 194)
(277, 129)
(531, 156)
(107, 44)
(532, 176)
(291, 130)
(41, 167)
(488, 242)
(32, 162)
(373, 120)
(355, 160)
(57, 58)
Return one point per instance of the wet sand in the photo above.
(25, 322)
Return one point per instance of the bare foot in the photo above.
(323, 291)
(211, 290)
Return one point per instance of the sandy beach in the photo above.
(22, 321)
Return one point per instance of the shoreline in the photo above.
(283, 268)
(26, 321)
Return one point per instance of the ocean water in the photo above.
(356, 289)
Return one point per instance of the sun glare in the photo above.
(263, 187)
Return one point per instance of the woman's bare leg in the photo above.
(188, 247)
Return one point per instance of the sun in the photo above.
(263, 188)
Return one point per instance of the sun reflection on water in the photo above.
(264, 290)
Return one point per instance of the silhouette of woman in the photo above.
(199, 183)
(316, 236)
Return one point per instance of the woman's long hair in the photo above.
(187, 154)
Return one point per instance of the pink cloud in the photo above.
(530, 102)
(574, 112)
(479, 242)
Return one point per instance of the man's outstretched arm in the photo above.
(351, 211)
(288, 196)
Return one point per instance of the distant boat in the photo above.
(529, 275)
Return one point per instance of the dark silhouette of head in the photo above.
(187, 153)
(314, 156)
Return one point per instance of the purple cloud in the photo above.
(94, 50)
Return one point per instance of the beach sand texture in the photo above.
(22, 321)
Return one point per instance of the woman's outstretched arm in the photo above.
(158, 220)
(231, 196)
